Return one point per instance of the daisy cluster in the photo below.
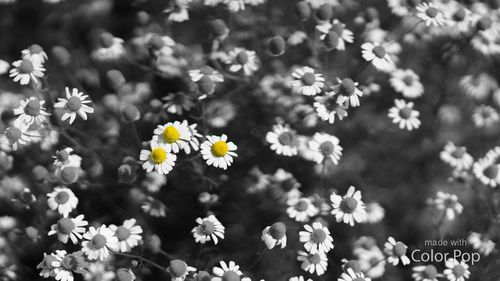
(364, 127)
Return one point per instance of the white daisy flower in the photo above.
(154, 208)
(313, 262)
(26, 70)
(158, 158)
(65, 158)
(404, 115)
(128, 234)
(197, 74)
(349, 208)
(481, 243)
(449, 204)
(317, 238)
(63, 200)
(174, 136)
(99, 242)
(485, 116)
(374, 212)
(301, 209)
(229, 271)
(456, 271)
(35, 53)
(4, 67)
(153, 181)
(396, 251)
(431, 14)
(345, 35)
(299, 278)
(283, 140)
(46, 266)
(478, 86)
(31, 111)
(400, 7)
(456, 156)
(74, 103)
(324, 146)
(208, 229)
(425, 273)
(372, 262)
(67, 264)
(350, 275)
(218, 152)
(111, 48)
(243, 60)
(179, 270)
(407, 83)
(274, 235)
(377, 55)
(486, 170)
(16, 135)
(348, 92)
(194, 139)
(327, 107)
(306, 81)
(69, 228)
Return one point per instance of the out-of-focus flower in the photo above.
(350, 275)
(99, 242)
(218, 152)
(317, 238)
(431, 14)
(481, 243)
(153, 181)
(26, 71)
(125, 274)
(63, 200)
(396, 251)
(478, 86)
(456, 156)
(177, 103)
(226, 271)
(74, 103)
(324, 146)
(15, 136)
(35, 53)
(349, 208)
(306, 81)
(240, 59)
(154, 207)
(404, 115)
(4, 67)
(301, 209)
(208, 229)
(179, 11)
(485, 116)
(31, 111)
(158, 158)
(407, 83)
(448, 203)
(313, 263)
(111, 48)
(69, 228)
(299, 278)
(425, 273)
(173, 135)
(283, 140)
(486, 169)
(128, 234)
(374, 212)
(456, 270)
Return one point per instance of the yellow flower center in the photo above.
(158, 155)
(219, 148)
(171, 134)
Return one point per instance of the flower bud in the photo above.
(124, 274)
(177, 268)
(126, 174)
(303, 10)
(206, 86)
(69, 175)
(106, 39)
(203, 276)
(219, 28)
(131, 113)
(277, 230)
(39, 173)
(61, 55)
(143, 18)
(331, 40)
(484, 23)
(154, 243)
(32, 233)
(325, 12)
(277, 46)
(115, 78)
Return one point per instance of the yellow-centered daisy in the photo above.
(174, 135)
(218, 152)
(158, 158)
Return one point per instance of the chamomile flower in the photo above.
(327, 107)
(486, 169)
(481, 243)
(173, 135)
(74, 103)
(407, 83)
(396, 251)
(154, 208)
(208, 229)
(345, 35)
(317, 238)
(283, 140)
(456, 271)
(67, 264)
(110, 48)
(313, 263)
(425, 273)
(98, 242)
(179, 269)
(218, 152)
(478, 86)
(243, 60)
(301, 209)
(128, 234)
(35, 53)
(274, 235)
(194, 139)
(349, 208)
(226, 271)
(431, 14)
(374, 212)
(306, 81)
(63, 200)
(456, 156)
(69, 228)
(26, 70)
(205, 71)
(404, 115)
(485, 116)
(299, 278)
(158, 158)
(448, 203)
(65, 158)
(401, 7)
(347, 92)
(377, 55)
(324, 146)
(16, 135)
(47, 265)
(350, 275)
(31, 111)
